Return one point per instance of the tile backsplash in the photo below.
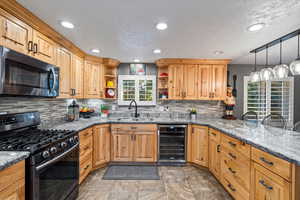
(53, 111)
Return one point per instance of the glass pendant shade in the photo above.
(255, 77)
(295, 67)
(281, 71)
(267, 74)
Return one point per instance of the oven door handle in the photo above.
(42, 166)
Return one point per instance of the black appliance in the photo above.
(22, 75)
(172, 143)
(52, 169)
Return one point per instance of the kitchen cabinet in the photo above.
(175, 81)
(12, 182)
(267, 185)
(190, 82)
(199, 142)
(64, 63)
(134, 142)
(77, 77)
(15, 34)
(85, 153)
(101, 145)
(204, 82)
(214, 163)
(218, 82)
(92, 79)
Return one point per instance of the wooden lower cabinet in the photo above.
(199, 145)
(101, 145)
(12, 182)
(132, 145)
(269, 186)
(214, 151)
(85, 153)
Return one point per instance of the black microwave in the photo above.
(22, 75)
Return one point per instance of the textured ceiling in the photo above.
(125, 29)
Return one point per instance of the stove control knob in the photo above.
(71, 140)
(46, 154)
(76, 138)
(53, 150)
(63, 145)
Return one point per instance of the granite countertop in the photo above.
(279, 142)
(9, 158)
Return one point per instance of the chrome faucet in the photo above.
(136, 115)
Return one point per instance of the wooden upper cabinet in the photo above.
(92, 79)
(204, 82)
(190, 84)
(44, 48)
(199, 148)
(64, 63)
(218, 82)
(15, 34)
(101, 145)
(175, 81)
(77, 77)
(145, 147)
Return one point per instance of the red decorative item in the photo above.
(163, 74)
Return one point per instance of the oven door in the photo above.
(27, 76)
(57, 179)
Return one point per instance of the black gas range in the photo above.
(52, 169)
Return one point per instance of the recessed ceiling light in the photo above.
(218, 52)
(136, 60)
(161, 26)
(67, 24)
(95, 50)
(256, 27)
(157, 51)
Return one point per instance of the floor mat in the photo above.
(121, 172)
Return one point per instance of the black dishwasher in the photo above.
(172, 142)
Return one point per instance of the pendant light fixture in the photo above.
(255, 75)
(281, 70)
(267, 73)
(295, 65)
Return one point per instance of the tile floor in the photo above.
(177, 183)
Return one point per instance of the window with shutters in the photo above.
(270, 97)
(140, 88)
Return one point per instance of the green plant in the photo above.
(193, 111)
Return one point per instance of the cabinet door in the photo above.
(101, 145)
(64, 64)
(269, 186)
(15, 34)
(91, 80)
(204, 81)
(200, 145)
(44, 48)
(77, 76)
(145, 147)
(122, 146)
(190, 88)
(219, 82)
(175, 81)
(101, 83)
(15, 191)
(214, 157)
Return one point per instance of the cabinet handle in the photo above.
(35, 48)
(262, 182)
(232, 144)
(133, 127)
(266, 161)
(30, 46)
(218, 148)
(231, 170)
(231, 187)
(86, 148)
(213, 133)
(232, 156)
(86, 167)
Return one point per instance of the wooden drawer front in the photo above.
(234, 144)
(214, 135)
(86, 147)
(133, 127)
(11, 175)
(238, 171)
(234, 155)
(85, 167)
(235, 189)
(281, 167)
(15, 191)
(85, 135)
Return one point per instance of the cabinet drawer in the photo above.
(234, 155)
(235, 189)
(281, 167)
(11, 175)
(85, 135)
(133, 127)
(15, 191)
(85, 167)
(240, 172)
(214, 135)
(236, 145)
(86, 148)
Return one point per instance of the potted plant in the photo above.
(193, 114)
